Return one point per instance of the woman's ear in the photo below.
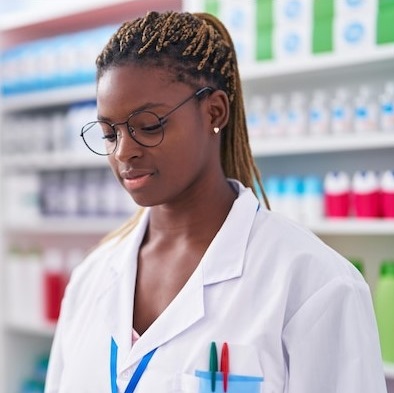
(219, 110)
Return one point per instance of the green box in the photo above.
(385, 3)
(264, 14)
(212, 7)
(322, 35)
(323, 9)
(384, 26)
(264, 44)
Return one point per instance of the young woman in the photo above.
(204, 278)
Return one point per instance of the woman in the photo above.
(203, 278)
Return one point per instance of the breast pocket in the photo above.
(244, 371)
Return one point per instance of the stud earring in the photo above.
(216, 130)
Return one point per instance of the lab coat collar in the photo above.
(222, 261)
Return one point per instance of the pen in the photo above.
(213, 365)
(225, 365)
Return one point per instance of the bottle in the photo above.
(276, 116)
(341, 113)
(312, 199)
(384, 306)
(386, 110)
(292, 197)
(255, 116)
(54, 283)
(387, 193)
(365, 190)
(365, 111)
(297, 114)
(337, 194)
(319, 114)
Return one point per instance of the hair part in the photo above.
(196, 49)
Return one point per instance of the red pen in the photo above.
(225, 365)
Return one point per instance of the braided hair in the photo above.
(195, 49)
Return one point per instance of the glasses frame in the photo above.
(161, 121)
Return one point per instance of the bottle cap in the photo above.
(387, 268)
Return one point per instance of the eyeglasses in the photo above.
(145, 127)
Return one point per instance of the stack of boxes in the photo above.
(299, 29)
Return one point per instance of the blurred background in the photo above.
(318, 83)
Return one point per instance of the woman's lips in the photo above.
(135, 180)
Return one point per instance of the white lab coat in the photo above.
(291, 309)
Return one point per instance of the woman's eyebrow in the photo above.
(146, 106)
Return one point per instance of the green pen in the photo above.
(213, 365)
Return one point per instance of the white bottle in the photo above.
(255, 116)
(276, 116)
(341, 112)
(386, 109)
(297, 114)
(319, 113)
(365, 110)
(312, 199)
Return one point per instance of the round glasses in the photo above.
(144, 127)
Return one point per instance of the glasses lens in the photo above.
(146, 128)
(99, 137)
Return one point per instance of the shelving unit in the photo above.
(21, 342)
(369, 239)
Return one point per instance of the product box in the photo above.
(354, 33)
(385, 18)
(322, 35)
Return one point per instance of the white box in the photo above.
(354, 33)
(292, 12)
(292, 42)
(355, 7)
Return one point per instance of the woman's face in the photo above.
(187, 157)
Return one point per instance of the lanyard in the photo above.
(137, 373)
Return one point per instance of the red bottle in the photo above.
(54, 284)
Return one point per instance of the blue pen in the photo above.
(213, 365)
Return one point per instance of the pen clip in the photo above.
(213, 365)
(225, 365)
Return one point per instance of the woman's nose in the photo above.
(127, 147)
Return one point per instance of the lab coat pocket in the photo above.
(235, 383)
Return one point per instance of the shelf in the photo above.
(368, 227)
(389, 370)
(319, 144)
(319, 64)
(59, 18)
(37, 329)
(55, 161)
(49, 98)
(67, 226)
(100, 226)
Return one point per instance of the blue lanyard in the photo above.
(137, 373)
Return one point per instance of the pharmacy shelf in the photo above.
(49, 98)
(380, 57)
(100, 226)
(367, 227)
(31, 328)
(55, 161)
(276, 146)
(55, 18)
(66, 226)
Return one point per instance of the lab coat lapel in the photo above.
(222, 261)
(117, 298)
